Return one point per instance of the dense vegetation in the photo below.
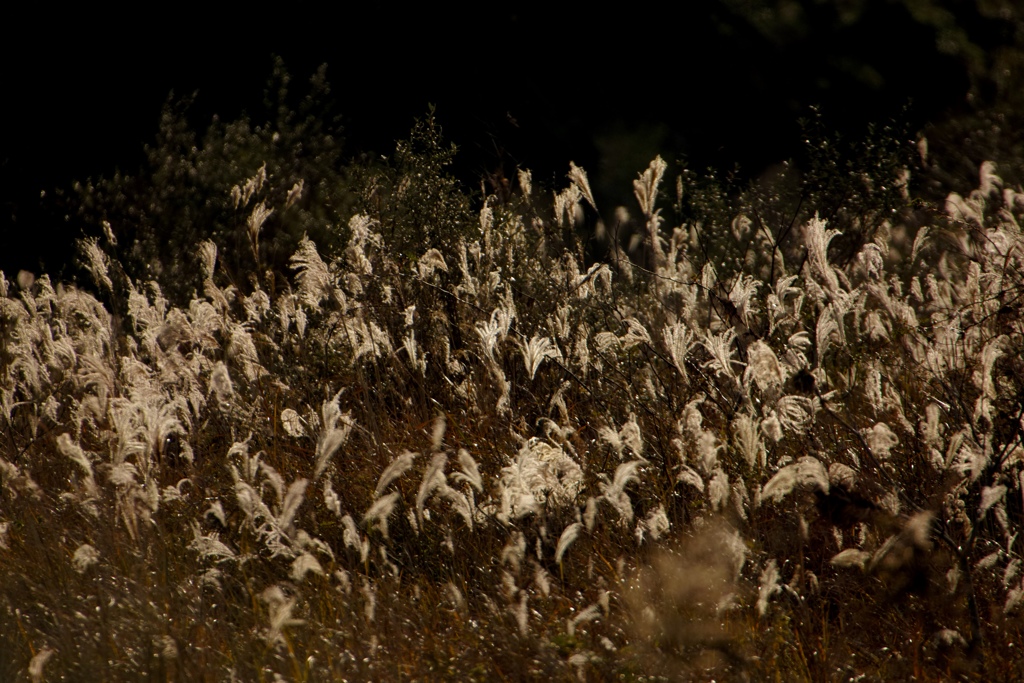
(310, 419)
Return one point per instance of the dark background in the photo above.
(720, 84)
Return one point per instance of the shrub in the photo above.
(216, 186)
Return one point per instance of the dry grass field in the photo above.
(295, 423)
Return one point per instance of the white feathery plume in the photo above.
(332, 437)
(763, 367)
(873, 387)
(254, 185)
(514, 551)
(688, 475)
(495, 329)
(541, 580)
(965, 210)
(992, 352)
(1014, 598)
(207, 546)
(827, 328)
(260, 214)
(1012, 570)
(469, 285)
(611, 437)
(590, 513)
(708, 450)
(748, 440)
(646, 186)
(242, 349)
(807, 472)
(769, 586)
(720, 348)
(840, 306)
(656, 524)
(437, 434)
(799, 343)
(881, 440)
(430, 262)
(350, 535)
(331, 499)
(817, 239)
(741, 295)
(679, 340)
(637, 334)
(521, 613)
(718, 489)
(380, 511)
(292, 423)
(433, 479)
(842, 475)
(579, 178)
(851, 557)
(123, 474)
(740, 498)
(39, 660)
(409, 314)
(565, 205)
(291, 503)
(366, 338)
(585, 285)
(627, 437)
(97, 262)
(294, 194)
(250, 465)
(708, 278)
(470, 471)
(460, 502)
(85, 557)
(989, 181)
(536, 351)
(963, 454)
(875, 327)
(920, 238)
(541, 474)
(396, 469)
(275, 480)
(794, 412)
(614, 492)
(456, 596)
(589, 614)
(312, 275)
(567, 538)
(990, 495)
(508, 585)
(304, 564)
(525, 182)
(489, 333)
(280, 609)
(606, 341)
(630, 436)
(361, 234)
(916, 534)
(486, 223)
(74, 452)
(256, 305)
